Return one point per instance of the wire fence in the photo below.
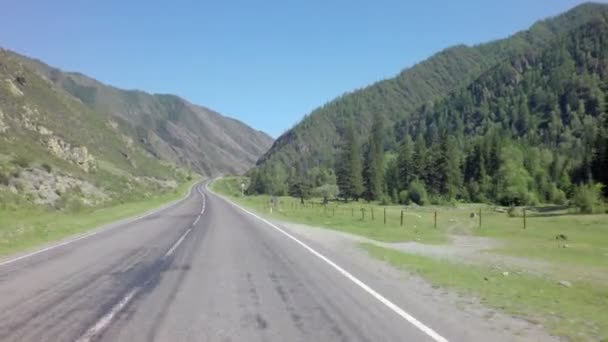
(467, 217)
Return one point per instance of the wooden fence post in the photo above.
(384, 215)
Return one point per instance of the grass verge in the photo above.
(577, 312)
(352, 217)
(27, 228)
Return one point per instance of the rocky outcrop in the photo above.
(3, 125)
(77, 155)
(12, 87)
(45, 188)
(161, 183)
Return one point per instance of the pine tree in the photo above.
(405, 163)
(356, 168)
(373, 170)
(453, 172)
(348, 166)
(419, 164)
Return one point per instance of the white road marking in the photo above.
(204, 200)
(101, 230)
(103, 323)
(107, 318)
(399, 311)
(177, 243)
(196, 221)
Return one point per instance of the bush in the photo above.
(394, 196)
(385, 200)
(404, 197)
(19, 186)
(588, 198)
(21, 161)
(557, 196)
(417, 192)
(326, 191)
(47, 167)
(4, 178)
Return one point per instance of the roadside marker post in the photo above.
(372, 213)
(435, 218)
(401, 217)
(384, 215)
(479, 217)
(524, 218)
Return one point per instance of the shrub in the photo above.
(417, 192)
(394, 196)
(557, 195)
(4, 178)
(19, 186)
(326, 191)
(21, 161)
(588, 198)
(385, 200)
(47, 167)
(404, 197)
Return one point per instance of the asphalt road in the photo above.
(223, 275)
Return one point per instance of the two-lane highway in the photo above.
(201, 270)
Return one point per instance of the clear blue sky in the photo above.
(267, 62)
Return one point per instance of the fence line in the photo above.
(436, 217)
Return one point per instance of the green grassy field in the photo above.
(577, 312)
(28, 227)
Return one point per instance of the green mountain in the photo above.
(63, 135)
(524, 131)
(516, 121)
(316, 139)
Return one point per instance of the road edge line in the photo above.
(396, 309)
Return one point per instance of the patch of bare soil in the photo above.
(456, 309)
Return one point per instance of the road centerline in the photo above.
(107, 319)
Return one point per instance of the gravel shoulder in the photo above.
(466, 310)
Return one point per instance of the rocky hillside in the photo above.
(68, 140)
(166, 126)
(315, 140)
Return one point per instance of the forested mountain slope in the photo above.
(316, 139)
(528, 129)
(524, 132)
(167, 126)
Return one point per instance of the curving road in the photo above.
(223, 275)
